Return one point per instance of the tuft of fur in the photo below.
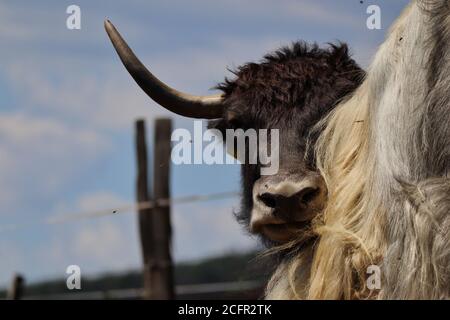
(417, 263)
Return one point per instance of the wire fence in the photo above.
(235, 289)
(153, 209)
(126, 208)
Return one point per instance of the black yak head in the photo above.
(290, 91)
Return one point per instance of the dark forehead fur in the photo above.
(297, 78)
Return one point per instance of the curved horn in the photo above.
(206, 107)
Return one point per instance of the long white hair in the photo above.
(385, 155)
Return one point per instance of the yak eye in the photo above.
(233, 120)
(235, 123)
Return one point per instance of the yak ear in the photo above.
(219, 124)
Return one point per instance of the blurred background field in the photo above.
(230, 276)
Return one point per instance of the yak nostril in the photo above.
(308, 194)
(277, 201)
(270, 200)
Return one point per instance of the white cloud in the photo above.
(111, 243)
(108, 98)
(96, 201)
(25, 131)
(207, 229)
(97, 91)
(105, 245)
(80, 98)
(40, 155)
(45, 22)
(99, 200)
(198, 230)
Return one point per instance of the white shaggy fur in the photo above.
(385, 155)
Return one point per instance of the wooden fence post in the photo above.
(154, 223)
(16, 290)
(144, 214)
(162, 230)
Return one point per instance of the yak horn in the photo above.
(206, 107)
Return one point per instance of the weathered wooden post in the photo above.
(144, 214)
(16, 289)
(162, 230)
(154, 223)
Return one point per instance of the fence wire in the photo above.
(126, 208)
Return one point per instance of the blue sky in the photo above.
(67, 109)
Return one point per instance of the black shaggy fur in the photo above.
(291, 90)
